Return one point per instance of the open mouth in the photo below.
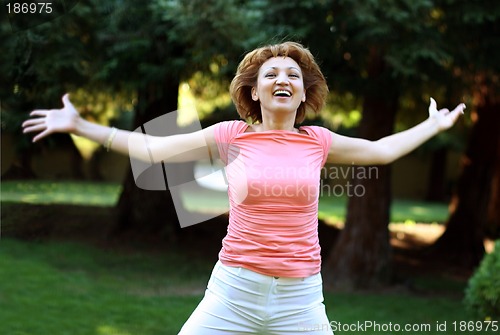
(282, 93)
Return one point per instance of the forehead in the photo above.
(280, 63)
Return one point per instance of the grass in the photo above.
(65, 288)
(70, 288)
(67, 192)
(331, 209)
(54, 287)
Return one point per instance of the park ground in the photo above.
(62, 273)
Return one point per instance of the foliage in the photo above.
(471, 30)
(123, 45)
(482, 295)
(406, 34)
(117, 47)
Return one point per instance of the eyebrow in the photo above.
(288, 68)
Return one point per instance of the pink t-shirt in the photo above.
(274, 184)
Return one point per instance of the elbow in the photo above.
(387, 161)
(386, 155)
(381, 160)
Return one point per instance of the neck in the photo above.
(276, 122)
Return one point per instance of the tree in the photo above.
(38, 63)
(472, 31)
(168, 41)
(136, 49)
(191, 39)
(385, 47)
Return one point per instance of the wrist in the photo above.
(110, 138)
(91, 131)
(433, 124)
(79, 128)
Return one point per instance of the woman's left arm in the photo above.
(348, 150)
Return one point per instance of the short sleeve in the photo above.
(224, 133)
(323, 136)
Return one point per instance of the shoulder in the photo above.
(231, 126)
(225, 131)
(318, 132)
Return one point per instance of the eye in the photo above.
(270, 75)
(294, 75)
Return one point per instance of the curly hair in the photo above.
(248, 69)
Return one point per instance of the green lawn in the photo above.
(64, 288)
(60, 192)
(52, 288)
(105, 194)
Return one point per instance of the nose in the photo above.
(282, 79)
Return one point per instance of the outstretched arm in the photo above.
(348, 150)
(153, 149)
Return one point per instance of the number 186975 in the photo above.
(29, 7)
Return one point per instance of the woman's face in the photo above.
(280, 86)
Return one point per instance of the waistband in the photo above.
(255, 276)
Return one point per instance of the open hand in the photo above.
(49, 121)
(444, 117)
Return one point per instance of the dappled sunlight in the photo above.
(489, 246)
(332, 220)
(409, 234)
(63, 192)
(85, 146)
(203, 200)
(199, 97)
(419, 210)
(30, 198)
(187, 113)
(101, 107)
(110, 330)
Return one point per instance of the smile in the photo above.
(282, 93)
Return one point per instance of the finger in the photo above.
(65, 100)
(432, 107)
(32, 122)
(459, 109)
(41, 135)
(444, 111)
(35, 128)
(39, 112)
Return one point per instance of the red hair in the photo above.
(248, 70)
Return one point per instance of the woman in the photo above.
(267, 279)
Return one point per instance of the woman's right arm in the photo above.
(152, 149)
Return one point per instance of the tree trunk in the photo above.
(361, 258)
(463, 241)
(146, 213)
(493, 221)
(436, 188)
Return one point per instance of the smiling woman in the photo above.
(268, 278)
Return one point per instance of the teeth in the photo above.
(282, 92)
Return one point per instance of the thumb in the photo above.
(433, 107)
(65, 100)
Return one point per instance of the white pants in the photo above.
(240, 301)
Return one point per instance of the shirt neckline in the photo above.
(301, 128)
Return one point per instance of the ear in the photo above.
(255, 97)
(304, 97)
